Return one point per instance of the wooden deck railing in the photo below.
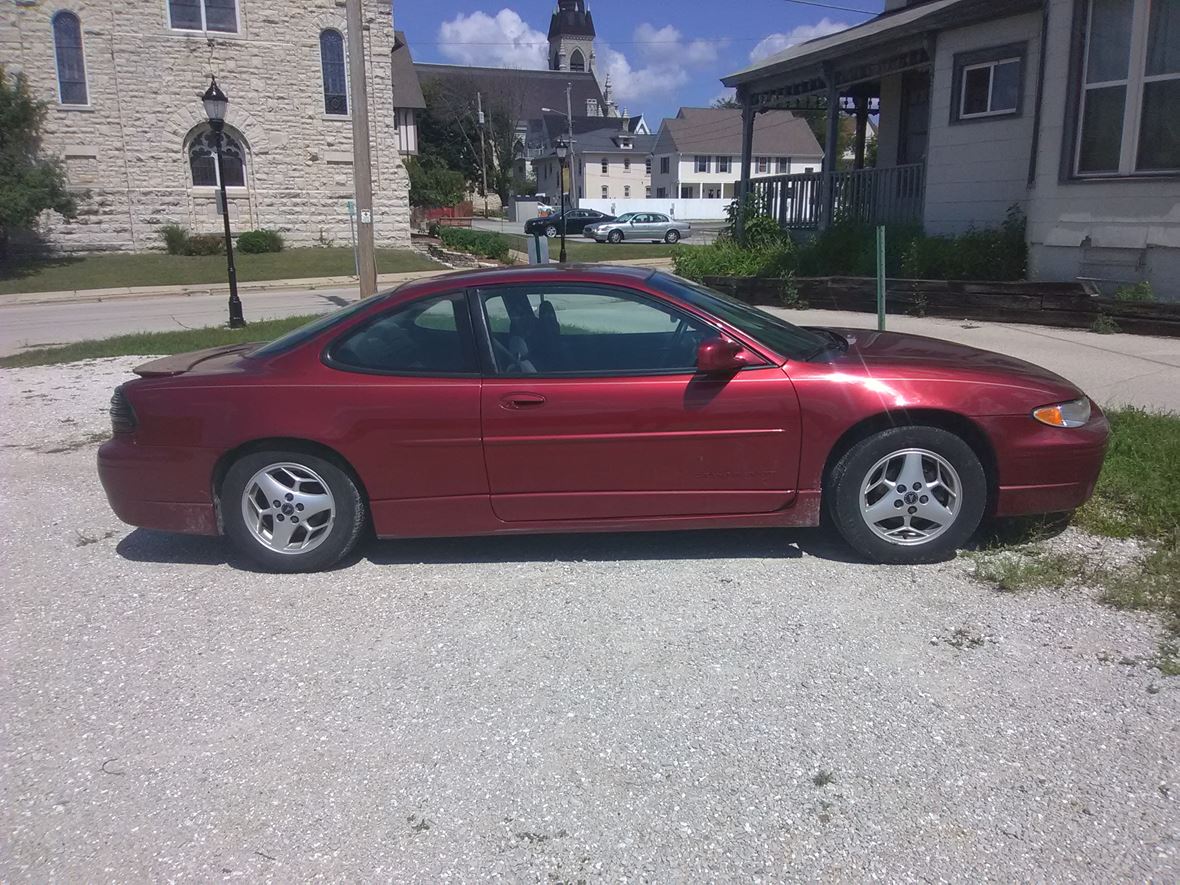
(892, 195)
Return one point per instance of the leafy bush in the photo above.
(474, 242)
(850, 249)
(205, 244)
(998, 254)
(433, 183)
(1141, 291)
(725, 258)
(175, 239)
(257, 241)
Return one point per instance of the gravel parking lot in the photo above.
(729, 705)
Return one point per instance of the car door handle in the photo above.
(522, 401)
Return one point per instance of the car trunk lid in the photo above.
(209, 358)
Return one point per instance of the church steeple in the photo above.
(571, 37)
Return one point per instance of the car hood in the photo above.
(209, 359)
(903, 355)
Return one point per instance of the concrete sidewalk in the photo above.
(1116, 370)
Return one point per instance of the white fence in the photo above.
(683, 210)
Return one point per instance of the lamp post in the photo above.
(215, 102)
(563, 151)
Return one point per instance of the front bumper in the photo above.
(159, 487)
(1045, 469)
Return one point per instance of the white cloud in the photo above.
(667, 46)
(664, 59)
(776, 43)
(504, 40)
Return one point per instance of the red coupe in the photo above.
(579, 399)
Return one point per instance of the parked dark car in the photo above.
(589, 398)
(575, 220)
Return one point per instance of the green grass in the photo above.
(154, 343)
(578, 248)
(159, 269)
(1028, 568)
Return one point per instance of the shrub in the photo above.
(205, 244)
(850, 249)
(725, 258)
(474, 242)
(175, 239)
(257, 241)
(997, 254)
(1141, 291)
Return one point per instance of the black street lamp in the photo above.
(215, 106)
(563, 151)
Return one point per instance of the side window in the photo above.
(588, 330)
(431, 336)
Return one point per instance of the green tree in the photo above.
(29, 182)
(433, 184)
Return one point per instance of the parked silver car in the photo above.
(643, 226)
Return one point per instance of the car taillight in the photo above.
(122, 415)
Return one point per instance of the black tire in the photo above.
(551, 231)
(348, 516)
(842, 494)
(671, 237)
(615, 236)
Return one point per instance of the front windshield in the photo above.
(626, 217)
(779, 335)
(309, 330)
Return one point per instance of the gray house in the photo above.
(1066, 109)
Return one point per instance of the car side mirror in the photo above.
(722, 356)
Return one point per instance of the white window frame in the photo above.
(1137, 78)
(57, 67)
(626, 192)
(319, 51)
(762, 165)
(991, 80)
(230, 188)
(702, 160)
(204, 23)
(605, 166)
(626, 164)
(723, 164)
(606, 191)
(647, 166)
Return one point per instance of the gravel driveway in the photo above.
(730, 705)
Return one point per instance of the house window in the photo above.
(664, 165)
(605, 192)
(763, 165)
(723, 164)
(627, 191)
(702, 163)
(647, 165)
(71, 65)
(1130, 88)
(332, 68)
(202, 159)
(661, 193)
(605, 166)
(988, 83)
(781, 165)
(647, 193)
(203, 15)
(577, 61)
(626, 164)
(686, 192)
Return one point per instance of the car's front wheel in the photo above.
(291, 511)
(615, 236)
(672, 236)
(907, 495)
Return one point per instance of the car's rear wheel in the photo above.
(672, 236)
(551, 231)
(291, 511)
(907, 495)
(615, 236)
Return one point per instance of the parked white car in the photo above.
(642, 226)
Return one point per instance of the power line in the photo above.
(817, 3)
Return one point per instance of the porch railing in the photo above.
(892, 195)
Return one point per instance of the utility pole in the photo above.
(483, 162)
(362, 171)
(569, 116)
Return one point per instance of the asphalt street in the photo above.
(719, 706)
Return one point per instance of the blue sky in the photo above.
(660, 55)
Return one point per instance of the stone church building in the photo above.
(124, 78)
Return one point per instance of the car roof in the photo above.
(529, 273)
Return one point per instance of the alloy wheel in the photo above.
(288, 508)
(910, 497)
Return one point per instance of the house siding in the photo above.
(976, 170)
(1113, 230)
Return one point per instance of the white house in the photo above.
(1064, 109)
(697, 153)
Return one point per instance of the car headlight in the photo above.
(1074, 413)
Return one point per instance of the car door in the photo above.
(592, 408)
(640, 227)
